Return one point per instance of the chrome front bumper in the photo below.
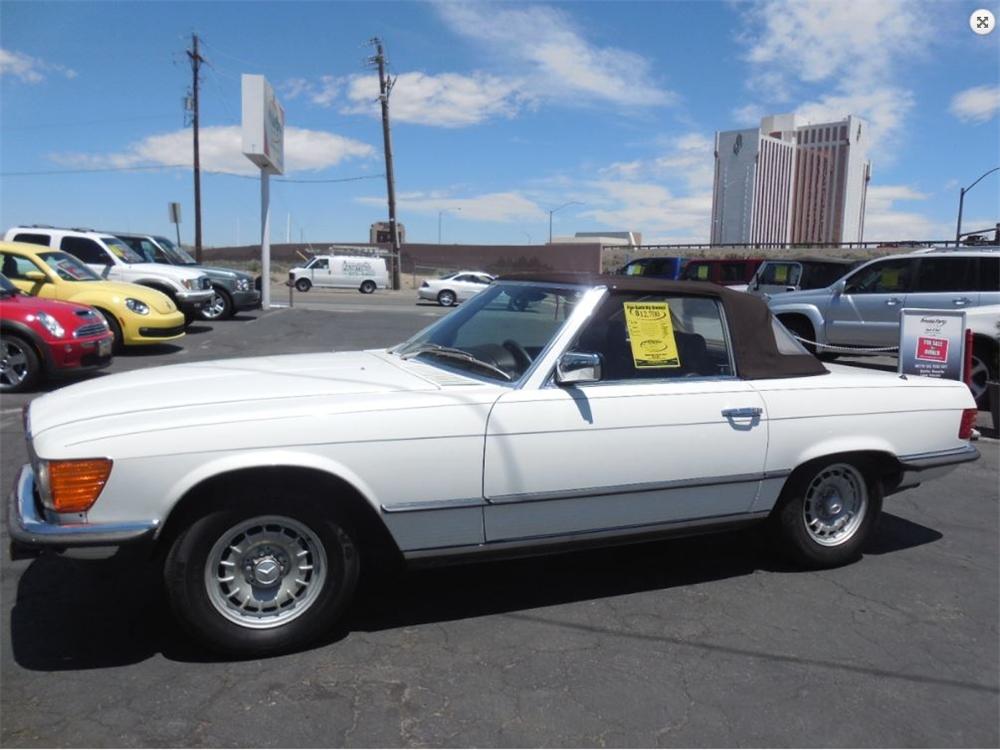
(29, 530)
(921, 467)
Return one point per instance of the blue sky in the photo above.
(501, 111)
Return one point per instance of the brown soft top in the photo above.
(749, 318)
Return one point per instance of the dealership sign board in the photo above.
(263, 125)
(932, 343)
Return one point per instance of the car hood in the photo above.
(101, 293)
(164, 269)
(215, 272)
(289, 382)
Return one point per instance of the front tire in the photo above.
(984, 357)
(20, 367)
(250, 581)
(118, 342)
(303, 285)
(826, 512)
(446, 298)
(221, 306)
(801, 328)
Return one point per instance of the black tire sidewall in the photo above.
(446, 294)
(184, 571)
(227, 305)
(367, 287)
(303, 285)
(31, 359)
(118, 345)
(789, 524)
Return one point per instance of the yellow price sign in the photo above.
(651, 335)
(702, 272)
(890, 279)
(780, 274)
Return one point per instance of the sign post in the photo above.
(932, 343)
(264, 145)
(174, 209)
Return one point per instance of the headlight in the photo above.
(50, 324)
(189, 284)
(137, 306)
(242, 284)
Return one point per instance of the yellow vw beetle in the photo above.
(136, 314)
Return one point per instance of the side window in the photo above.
(989, 275)
(86, 250)
(151, 252)
(697, 272)
(781, 273)
(320, 264)
(33, 239)
(732, 273)
(653, 337)
(883, 277)
(944, 275)
(16, 267)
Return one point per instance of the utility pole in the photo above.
(196, 61)
(961, 204)
(385, 87)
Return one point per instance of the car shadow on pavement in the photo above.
(88, 614)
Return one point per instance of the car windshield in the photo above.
(122, 250)
(67, 267)
(497, 334)
(178, 255)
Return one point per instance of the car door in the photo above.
(866, 312)
(945, 283)
(644, 446)
(319, 272)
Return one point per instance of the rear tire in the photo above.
(275, 550)
(826, 512)
(20, 367)
(118, 342)
(303, 285)
(367, 287)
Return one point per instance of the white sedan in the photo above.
(569, 410)
(455, 287)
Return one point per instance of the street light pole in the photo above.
(440, 214)
(560, 208)
(961, 204)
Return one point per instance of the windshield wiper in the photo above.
(447, 352)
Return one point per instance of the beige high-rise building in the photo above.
(788, 182)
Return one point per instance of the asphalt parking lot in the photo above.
(694, 642)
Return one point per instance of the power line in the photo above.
(139, 168)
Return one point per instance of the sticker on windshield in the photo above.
(116, 250)
(702, 272)
(651, 335)
(780, 274)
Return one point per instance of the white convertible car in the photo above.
(561, 409)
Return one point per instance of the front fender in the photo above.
(811, 311)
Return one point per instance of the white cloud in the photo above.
(510, 206)
(884, 220)
(651, 209)
(221, 150)
(978, 104)
(855, 47)
(30, 69)
(445, 100)
(553, 56)
(323, 91)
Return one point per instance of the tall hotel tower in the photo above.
(788, 183)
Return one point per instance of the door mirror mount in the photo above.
(36, 277)
(574, 368)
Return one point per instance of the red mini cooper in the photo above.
(41, 336)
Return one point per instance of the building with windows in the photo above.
(789, 182)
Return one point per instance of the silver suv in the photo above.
(862, 308)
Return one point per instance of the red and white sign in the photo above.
(932, 350)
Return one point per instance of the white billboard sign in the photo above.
(263, 125)
(932, 343)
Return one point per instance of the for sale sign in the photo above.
(932, 343)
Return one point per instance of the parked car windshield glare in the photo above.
(179, 255)
(67, 267)
(506, 326)
(122, 250)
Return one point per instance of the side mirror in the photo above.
(36, 277)
(839, 288)
(578, 367)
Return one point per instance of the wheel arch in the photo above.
(876, 455)
(275, 472)
(809, 312)
(32, 339)
(158, 286)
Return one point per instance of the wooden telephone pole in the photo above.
(196, 61)
(385, 87)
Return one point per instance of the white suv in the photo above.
(191, 290)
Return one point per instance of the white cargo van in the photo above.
(341, 272)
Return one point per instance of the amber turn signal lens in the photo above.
(76, 485)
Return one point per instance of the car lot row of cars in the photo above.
(138, 289)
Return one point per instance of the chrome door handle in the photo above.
(961, 301)
(746, 411)
(892, 301)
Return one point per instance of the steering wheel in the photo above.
(522, 357)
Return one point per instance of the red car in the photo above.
(41, 336)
